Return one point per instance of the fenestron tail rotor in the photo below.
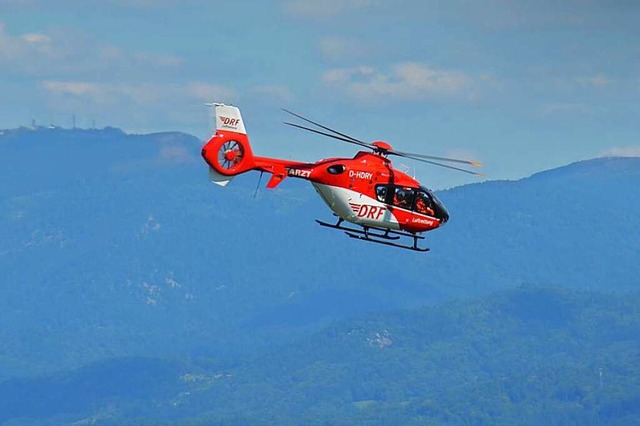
(383, 148)
(230, 154)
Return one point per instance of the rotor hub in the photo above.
(382, 147)
(230, 155)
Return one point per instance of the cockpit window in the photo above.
(403, 197)
(336, 169)
(439, 211)
(424, 204)
(421, 200)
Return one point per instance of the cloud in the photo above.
(622, 151)
(274, 91)
(133, 106)
(201, 91)
(25, 46)
(408, 80)
(16, 4)
(324, 9)
(64, 51)
(74, 5)
(63, 94)
(337, 48)
(565, 107)
(598, 81)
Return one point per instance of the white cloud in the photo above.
(407, 80)
(35, 38)
(69, 5)
(324, 9)
(337, 48)
(64, 51)
(274, 91)
(16, 4)
(25, 46)
(74, 88)
(201, 91)
(63, 94)
(622, 151)
(565, 107)
(133, 106)
(598, 81)
(344, 75)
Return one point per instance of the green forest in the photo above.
(527, 356)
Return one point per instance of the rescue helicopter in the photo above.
(383, 205)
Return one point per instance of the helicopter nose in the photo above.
(443, 216)
(441, 212)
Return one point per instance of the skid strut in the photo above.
(377, 235)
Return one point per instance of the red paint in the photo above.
(361, 174)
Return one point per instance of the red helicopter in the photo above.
(365, 190)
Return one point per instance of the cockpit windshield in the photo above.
(403, 197)
(437, 206)
(421, 200)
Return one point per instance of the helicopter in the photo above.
(382, 204)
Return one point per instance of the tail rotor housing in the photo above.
(228, 152)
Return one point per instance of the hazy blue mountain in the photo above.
(576, 225)
(526, 356)
(117, 245)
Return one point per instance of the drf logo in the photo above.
(365, 211)
(229, 122)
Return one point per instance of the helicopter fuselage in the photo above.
(366, 190)
(363, 190)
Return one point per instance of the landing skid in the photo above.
(413, 247)
(381, 236)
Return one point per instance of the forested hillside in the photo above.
(114, 244)
(526, 356)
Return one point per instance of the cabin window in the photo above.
(336, 169)
(424, 205)
(403, 197)
(381, 193)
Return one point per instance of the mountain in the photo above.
(116, 245)
(574, 225)
(526, 356)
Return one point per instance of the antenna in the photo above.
(258, 187)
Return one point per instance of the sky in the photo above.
(521, 86)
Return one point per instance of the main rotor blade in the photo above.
(432, 157)
(330, 135)
(324, 127)
(442, 165)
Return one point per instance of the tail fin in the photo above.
(228, 152)
(228, 118)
